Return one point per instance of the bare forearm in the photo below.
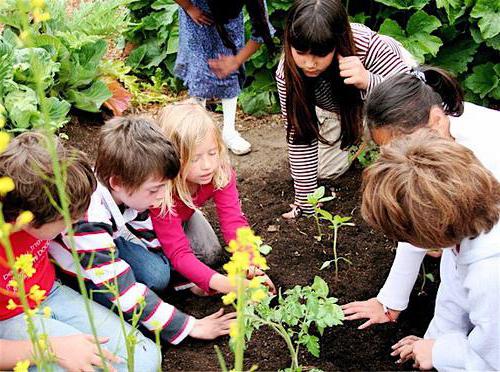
(220, 283)
(247, 51)
(13, 351)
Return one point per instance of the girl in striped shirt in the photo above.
(328, 67)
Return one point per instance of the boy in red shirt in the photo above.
(28, 163)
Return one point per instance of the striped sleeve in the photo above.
(381, 55)
(303, 159)
(101, 264)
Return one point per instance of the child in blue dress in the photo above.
(212, 53)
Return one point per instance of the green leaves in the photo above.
(90, 99)
(488, 12)
(404, 4)
(485, 80)
(417, 37)
(456, 56)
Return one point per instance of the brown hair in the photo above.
(28, 163)
(429, 191)
(404, 101)
(318, 27)
(132, 150)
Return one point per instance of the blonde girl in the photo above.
(187, 238)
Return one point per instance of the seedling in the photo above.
(294, 315)
(316, 199)
(336, 222)
(425, 276)
(366, 153)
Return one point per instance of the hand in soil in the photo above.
(370, 309)
(212, 326)
(404, 348)
(294, 213)
(422, 353)
(254, 271)
(197, 291)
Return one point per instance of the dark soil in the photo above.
(266, 190)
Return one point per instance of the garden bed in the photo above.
(266, 190)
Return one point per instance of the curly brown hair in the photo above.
(429, 191)
(28, 163)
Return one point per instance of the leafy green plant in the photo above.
(365, 154)
(63, 50)
(315, 199)
(298, 312)
(336, 222)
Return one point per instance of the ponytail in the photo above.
(405, 100)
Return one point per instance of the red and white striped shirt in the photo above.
(381, 56)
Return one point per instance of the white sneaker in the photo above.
(237, 144)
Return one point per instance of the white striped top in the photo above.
(381, 55)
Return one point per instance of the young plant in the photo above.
(245, 257)
(316, 199)
(336, 222)
(425, 276)
(293, 318)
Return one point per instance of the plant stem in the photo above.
(336, 261)
(239, 348)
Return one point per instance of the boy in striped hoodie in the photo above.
(116, 242)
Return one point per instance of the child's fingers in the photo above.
(348, 73)
(229, 316)
(217, 314)
(405, 341)
(358, 315)
(366, 324)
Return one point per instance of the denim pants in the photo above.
(68, 317)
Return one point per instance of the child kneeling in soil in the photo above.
(432, 192)
(116, 242)
(205, 174)
(60, 311)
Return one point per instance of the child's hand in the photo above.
(422, 353)
(352, 69)
(404, 348)
(79, 353)
(199, 16)
(254, 271)
(371, 309)
(212, 326)
(224, 65)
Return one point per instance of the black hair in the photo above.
(318, 27)
(404, 101)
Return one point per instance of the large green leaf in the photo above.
(6, 65)
(484, 79)
(57, 112)
(454, 8)
(456, 55)
(417, 38)
(404, 4)
(488, 12)
(90, 99)
(34, 66)
(22, 107)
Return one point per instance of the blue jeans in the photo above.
(68, 317)
(149, 267)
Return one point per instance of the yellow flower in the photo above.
(229, 298)
(39, 16)
(233, 330)
(2, 121)
(155, 324)
(24, 218)
(11, 305)
(38, 4)
(258, 295)
(47, 311)
(36, 294)
(12, 283)
(260, 262)
(24, 35)
(24, 264)
(6, 185)
(241, 259)
(4, 141)
(22, 366)
(254, 283)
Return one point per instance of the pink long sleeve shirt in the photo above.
(176, 246)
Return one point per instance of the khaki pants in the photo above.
(333, 161)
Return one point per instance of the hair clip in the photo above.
(418, 74)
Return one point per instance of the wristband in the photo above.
(388, 314)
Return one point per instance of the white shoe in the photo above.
(237, 144)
